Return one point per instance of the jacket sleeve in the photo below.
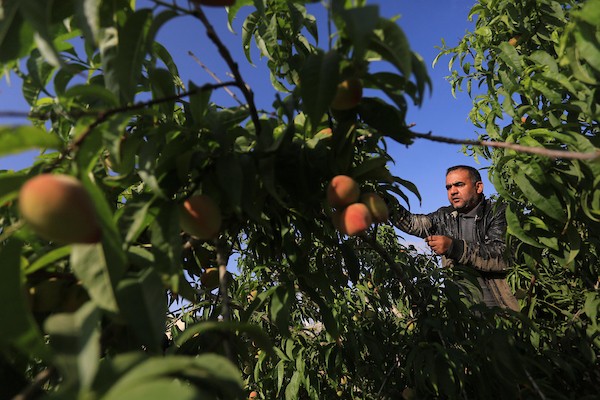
(419, 225)
(489, 254)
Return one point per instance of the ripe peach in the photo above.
(253, 395)
(377, 207)
(342, 191)
(348, 95)
(356, 219)
(59, 209)
(513, 41)
(200, 216)
(210, 278)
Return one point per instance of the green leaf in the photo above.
(21, 138)
(163, 86)
(22, 332)
(319, 78)
(16, 36)
(514, 228)
(210, 372)
(90, 265)
(359, 24)
(392, 45)
(280, 308)
(87, 15)
(389, 121)
(531, 180)
(133, 47)
(143, 303)
(47, 259)
(231, 179)
(511, 57)
(592, 306)
(292, 389)
(254, 332)
(76, 341)
(350, 261)
(10, 183)
(160, 389)
(37, 13)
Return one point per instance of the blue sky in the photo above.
(425, 23)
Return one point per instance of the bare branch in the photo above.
(224, 52)
(574, 155)
(215, 77)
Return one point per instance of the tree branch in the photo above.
(33, 390)
(102, 116)
(215, 77)
(574, 155)
(224, 52)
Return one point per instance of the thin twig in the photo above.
(575, 155)
(535, 385)
(224, 52)
(215, 77)
(35, 386)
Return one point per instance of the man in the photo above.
(469, 234)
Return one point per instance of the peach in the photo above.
(200, 216)
(59, 209)
(356, 219)
(377, 207)
(210, 278)
(342, 191)
(348, 94)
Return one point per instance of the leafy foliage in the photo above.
(311, 314)
(538, 61)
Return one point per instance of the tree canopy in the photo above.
(149, 310)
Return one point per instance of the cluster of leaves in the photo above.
(312, 314)
(537, 67)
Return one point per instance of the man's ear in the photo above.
(479, 187)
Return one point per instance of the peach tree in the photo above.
(150, 309)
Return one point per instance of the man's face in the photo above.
(462, 192)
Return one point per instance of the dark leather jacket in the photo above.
(486, 256)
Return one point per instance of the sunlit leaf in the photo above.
(20, 138)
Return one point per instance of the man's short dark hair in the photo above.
(473, 173)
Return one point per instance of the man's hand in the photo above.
(439, 243)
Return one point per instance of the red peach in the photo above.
(356, 219)
(342, 191)
(200, 216)
(59, 209)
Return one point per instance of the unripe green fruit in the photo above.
(348, 94)
(59, 209)
(376, 205)
(342, 191)
(356, 219)
(200, 216)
